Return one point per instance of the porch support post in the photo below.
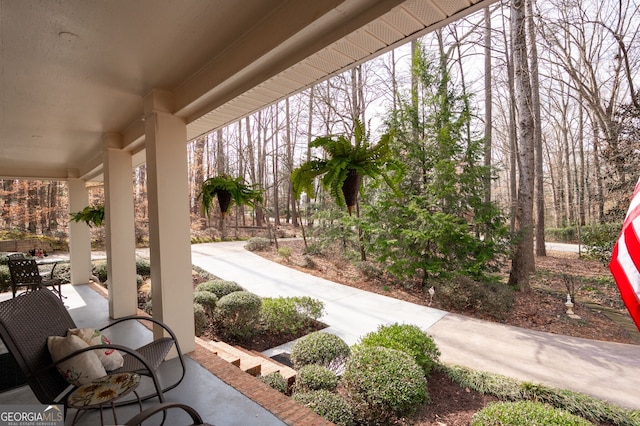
(119, 228)
(169, 221)
(79, 235)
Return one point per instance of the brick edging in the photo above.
(278, 404)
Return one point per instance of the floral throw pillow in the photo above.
(110, 358)
(82, 368)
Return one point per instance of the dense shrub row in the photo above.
(377, 381)
(384, 381)
(237, 314)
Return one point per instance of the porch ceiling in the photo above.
(73, 70)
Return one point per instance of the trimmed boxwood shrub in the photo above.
(238, 314)
(5, 278)
(200, 319)
(525, 413)
(328, 405)
(315, 377)
(276, 381)
(321, 348)
(289, 314)
(143, 267)
(258, 244)
(100, 270)
(207, 299)
(406, 338)
(219, 287)
(383, 384)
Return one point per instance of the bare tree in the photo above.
(522, 263)
(488, 101)
(541, 249)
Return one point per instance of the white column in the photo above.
(119, 228)
(79, 235)
(169, 221)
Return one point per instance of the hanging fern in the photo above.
(343, 158)
(90, 215)
(228, 189)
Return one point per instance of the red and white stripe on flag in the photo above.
(625, 261)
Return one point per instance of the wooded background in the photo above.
(548, 88)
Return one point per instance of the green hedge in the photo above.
(289, 314)
(320, 348)
(525, 413)
(328, 405)
(315, 377)
(220, 287)
(406, 338)
(383, 384)
(238, 314)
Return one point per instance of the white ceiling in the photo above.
(73, 70)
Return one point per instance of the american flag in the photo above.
(625, 261)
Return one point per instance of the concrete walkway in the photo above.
(609, 371)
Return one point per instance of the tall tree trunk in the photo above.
(567, 162)
(198, 176)
(221, 161)
(581, 177)
(44, 209)
(355, 99)
(53, 203)
(541, 249)
(394, 81)
(309, 139)
(260, 171)
(7, 200)
(32, 207)
(488, 102)
(251, 150)
(276, 174)
(513, 153)
(241, 173)
(596, 167)
(554, 192)
(523, 261)
(290, 153)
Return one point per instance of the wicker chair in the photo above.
(27, 321)
(25, 273)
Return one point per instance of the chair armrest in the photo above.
(145, 318)
(144, 415)
(53, 268)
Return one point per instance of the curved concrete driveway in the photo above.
(609, 371)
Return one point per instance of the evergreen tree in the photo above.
(442, 223)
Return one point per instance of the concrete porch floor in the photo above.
(219, 391)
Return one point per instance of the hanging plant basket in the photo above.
(228, 190)
(345, 164)
(350, 189)
(224, 201)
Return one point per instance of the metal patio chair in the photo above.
(26, 274)
(27, 321)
